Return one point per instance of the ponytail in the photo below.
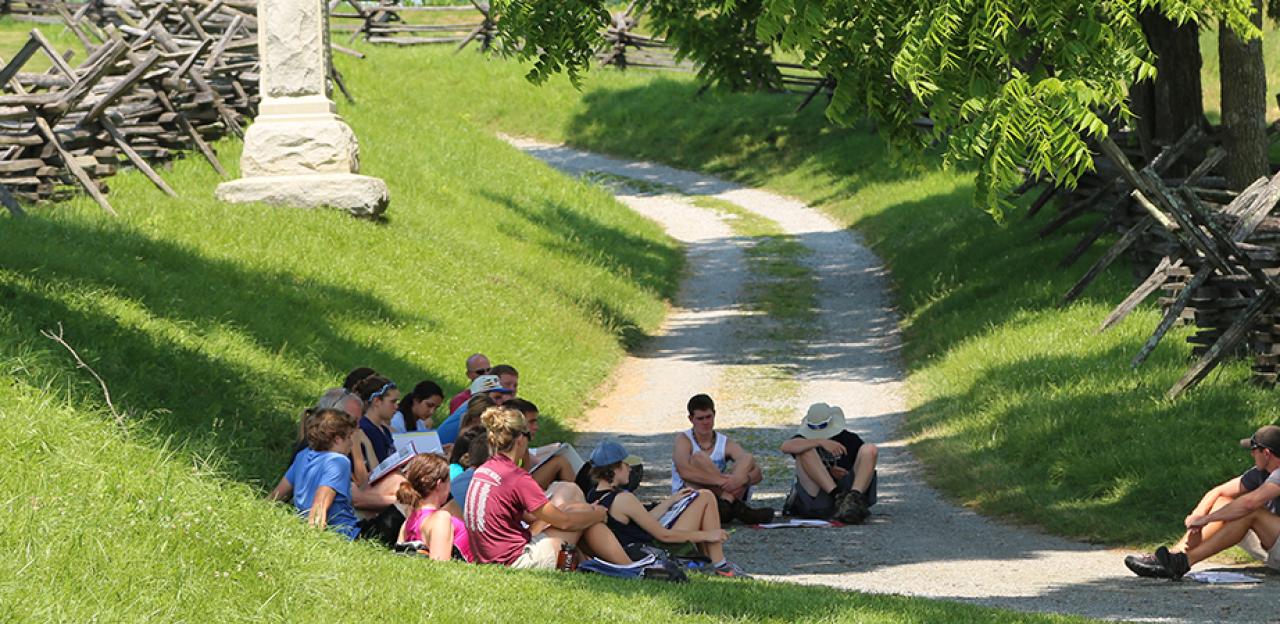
(421, 475)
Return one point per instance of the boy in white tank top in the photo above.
(704, 458)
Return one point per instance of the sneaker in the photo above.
(729, 569)
(1176, 564)
(750, 515)
(851, 507)
(1146, 566)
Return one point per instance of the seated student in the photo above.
(374, 443)
(484, 384)
(835, 469)
(477, 365)
(470, 452)
(632, 524)
(704, 458)
(555, 469)
(502, 497)
(336, 398)
(319, 480)
(508, 377)
(421, 406)
(424, 491)
(1244, 511)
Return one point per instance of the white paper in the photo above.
(565, 450)
(420, 441)
(1214, 577)
(796, 523)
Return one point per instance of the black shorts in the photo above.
(800, 505)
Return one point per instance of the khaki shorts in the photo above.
(539, 554)
(1252, 545)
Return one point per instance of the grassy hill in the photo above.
(214, 324)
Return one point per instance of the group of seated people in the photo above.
(494, 501)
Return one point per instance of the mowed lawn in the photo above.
(213, 325)
(1019, 409)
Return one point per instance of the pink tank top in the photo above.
(413, 531)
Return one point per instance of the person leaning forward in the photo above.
(703, 458)
(1241, 511)
(835, 469)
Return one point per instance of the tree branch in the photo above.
(80, 363)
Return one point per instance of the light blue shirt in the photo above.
(312, 470)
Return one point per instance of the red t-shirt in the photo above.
(459, 399)
(501, 493)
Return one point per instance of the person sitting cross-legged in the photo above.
(835, 469)
(1241, 511)
(634, 525)
(704, 458)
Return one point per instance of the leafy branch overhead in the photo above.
(1010, 85)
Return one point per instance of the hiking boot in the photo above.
(851, 507)
(729, 569)
(1146, 566)
(726, 511)
(1176, 564)
(750, 515)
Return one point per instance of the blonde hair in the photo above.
(504, 425)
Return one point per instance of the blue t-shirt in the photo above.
(312, 469)
(458, 487)
(448, 430)
(380, 437)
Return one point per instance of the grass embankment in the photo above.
(214, 324)
(1019, 409)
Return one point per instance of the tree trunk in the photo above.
(1171, 104)
(1244, 106)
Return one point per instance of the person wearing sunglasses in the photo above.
(1241, 511)
(477, 365)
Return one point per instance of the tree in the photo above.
(1244, 106)
(1011, 86)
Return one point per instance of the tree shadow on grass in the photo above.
(586, 240)
(225, 354)
(746, 137)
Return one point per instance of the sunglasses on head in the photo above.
(481, 371)
(1254, 446)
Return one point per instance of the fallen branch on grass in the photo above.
(106, 392)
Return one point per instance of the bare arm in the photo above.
(440, 536)
(570, 520)
(283, 491)
(361, 451)
(626, 505)
(681, 453)
(739, 478)
(377, 496)
(796, 446)
(667, 502)
(1240, 507)
(319, 515)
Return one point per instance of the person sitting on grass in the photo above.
(554, 469)
(419, 408)
(634, 525)
(470, 452)
(502, 498)
(424, 491)
(703, 458)
(374, 442)
(319, 480)
(835, 469)
(483, 385)
(477, 365)
(1241, 511)
(335, 398)
(356, 376)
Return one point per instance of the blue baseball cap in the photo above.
(610, 452)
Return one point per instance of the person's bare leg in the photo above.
(1262, 522)
(702, 460)
(1193, 539)
(555, 469)
(601, 543)
(560, 537)
(702, 515)
(564, 495)
(864, 467)
(812, 474)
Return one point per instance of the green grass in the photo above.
(1018, 409)
(213, 324)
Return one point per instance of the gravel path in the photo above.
(916, 542)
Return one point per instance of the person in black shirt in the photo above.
(835, 469)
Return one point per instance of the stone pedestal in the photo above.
(299, 152)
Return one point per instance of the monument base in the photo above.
(362, 196)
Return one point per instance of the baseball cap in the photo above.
(488, 383)
(610, 452)
(1268, 437)
(821, 422)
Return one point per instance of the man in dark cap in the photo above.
(1241, 511)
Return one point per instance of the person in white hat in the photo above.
(835, 469)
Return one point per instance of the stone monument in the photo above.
(299, 152)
